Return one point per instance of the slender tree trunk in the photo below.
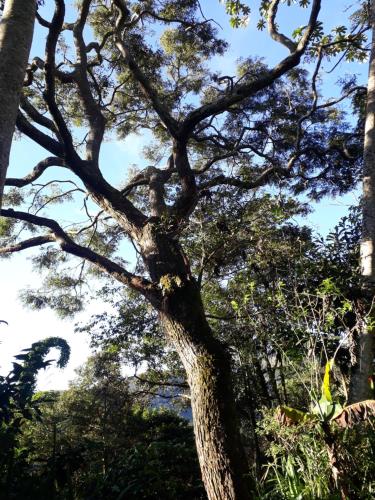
(249, 390)
(359, 385)
(16, 33)
(207, 364)
(266, 396)
(271, 375)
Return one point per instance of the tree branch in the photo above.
(188, 198)
(166, 118)
(51, 161)
(37, 117)
(161, 384)
(42, 21)
(50, 73)
(109, 198)
(92, 109)
(233, 181)
(245, 90)
(137, 283)
(39, 137)
(275, 35)
(30, 243)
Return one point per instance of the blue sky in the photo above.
(27, 326)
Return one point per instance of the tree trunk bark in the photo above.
(16, 33)
(207, 364)
(359, 385)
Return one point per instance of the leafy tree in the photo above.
(268, 300)
(19, 404)
(261, 127)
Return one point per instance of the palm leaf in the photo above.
(355, 413)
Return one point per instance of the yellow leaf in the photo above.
(326, 391)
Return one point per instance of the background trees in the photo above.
(99, 440)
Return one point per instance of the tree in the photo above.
(16, 34)
(232, 127)
(360, 387)
(268, 299)
(19, 405)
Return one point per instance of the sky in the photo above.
(26, 326)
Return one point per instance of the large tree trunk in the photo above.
(207, 364)
(16, 33)
(359, 385)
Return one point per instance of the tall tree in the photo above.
(16, 34)
(360, 388)
(249, 130)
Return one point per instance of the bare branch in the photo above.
(188, 198)
(262, 179)
(37, 117)
(42, 21)
(109, 198)
(30, 243)
(59, 196)
(37, 171)
(138, 180)
(50, 73)
(92, 109)
(275, 35)
(157, 180)
(39, 137)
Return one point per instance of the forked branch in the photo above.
(66, 243)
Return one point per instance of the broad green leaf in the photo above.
(289, 416)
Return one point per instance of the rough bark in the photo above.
(208, 369)
(16, 32)
(359, 385)
(207, 365)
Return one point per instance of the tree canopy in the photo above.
(225, 297)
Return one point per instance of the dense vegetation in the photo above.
(250, 337)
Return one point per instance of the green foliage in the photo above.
(284, 319)
(348, 42)
(19, 405)
(161, 465)
(298, 465)
(238, 11)
(297, 462)
(6, 227)
(100, 440)
(282, 300)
